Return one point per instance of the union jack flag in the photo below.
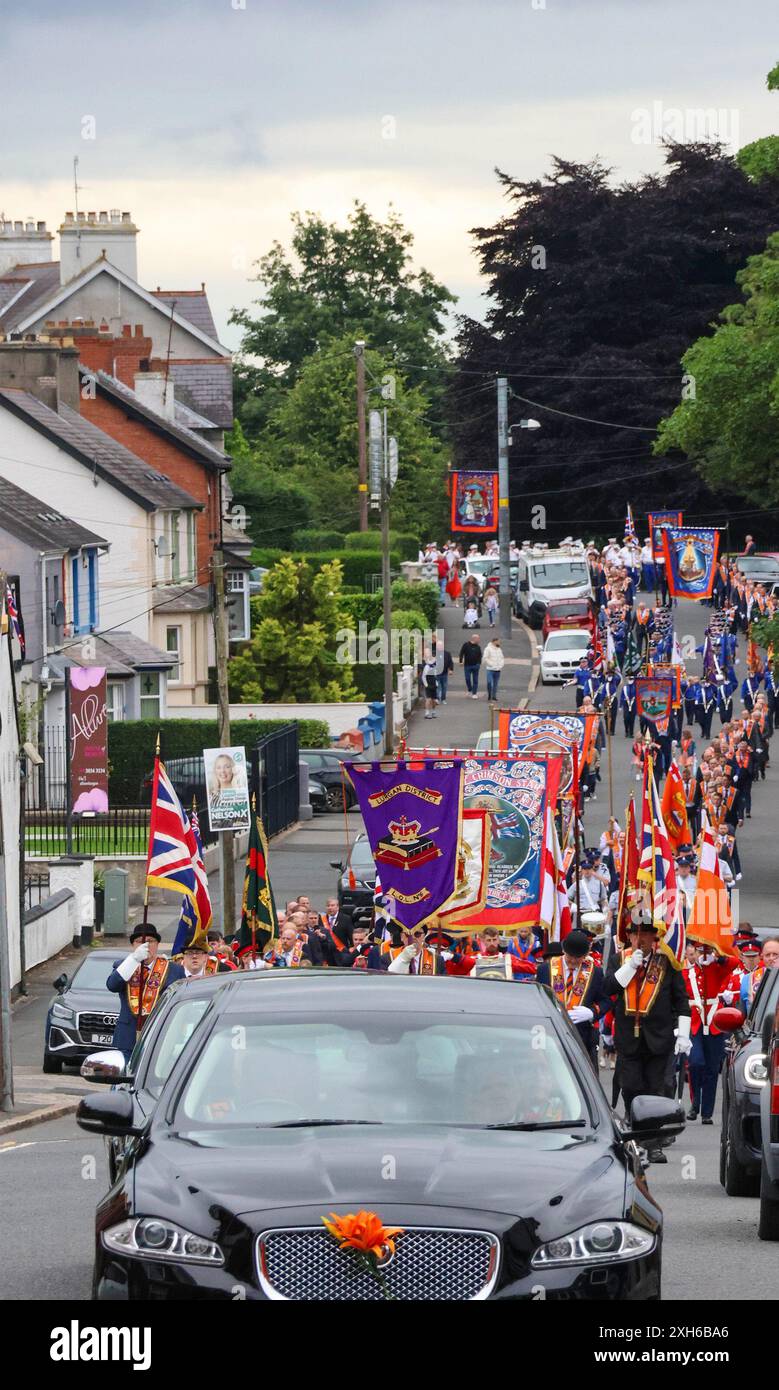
(190, 921)
(630, 530)
(657, 870)
(175, 853)
(13, 613)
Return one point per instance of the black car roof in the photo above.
(340, 989)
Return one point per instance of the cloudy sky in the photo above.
(214, 119)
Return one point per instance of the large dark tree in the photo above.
(597, 290)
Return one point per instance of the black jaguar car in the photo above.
(464, 1112)
(744, 1078)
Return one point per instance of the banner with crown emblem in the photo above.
(657, 521)
(474, 501)
(515, 792)
(413, 819)
(690, 560)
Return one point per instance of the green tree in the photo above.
(338, 283)
(275, 506)
(760, 159)
(311, 440)
(730, 429)
(291, 656)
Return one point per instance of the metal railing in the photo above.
(275, 778)
(121, 833)
(36, 888)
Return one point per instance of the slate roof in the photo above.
(39, 525)
(182, 598)
(41, 280)
(122, 654)
(192, 305)
(109, 458)
(188, 438)
(205, 384)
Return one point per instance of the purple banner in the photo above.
(412, 813)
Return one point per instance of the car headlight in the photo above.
(601, 1240)
(153, 1238)
(62, 1012)
(755, 1070)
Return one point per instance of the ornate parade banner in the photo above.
(672, 673)
(474, 501)
(656, 521)
(515, 792)
(473, 873)
(654, 700)
(539, 733)
(413, 819)
(690, 560)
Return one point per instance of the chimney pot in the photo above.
(17, 226)
(126, 331)
(41, 226)
(126, 217)
(104, 217)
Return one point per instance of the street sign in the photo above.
(375, 451)
(393, 460)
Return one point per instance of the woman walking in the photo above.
(430, 686)
(493, 660)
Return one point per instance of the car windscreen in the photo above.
(380, 1067)
(94, 970)
(170, 1040)
(575, 609)
(567, 641)
(362, 861)
(563, 574)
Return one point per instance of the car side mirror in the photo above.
(651, 1116)
(767, 1033)
(523, 585)
(729, 1019)
(107, 1067)
(108, 1114)
(336, 864)
(60, 983)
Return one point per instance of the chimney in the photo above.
(23, 243)
(156, 393)
(46, 370)
(85, 239)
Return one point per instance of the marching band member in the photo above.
(576, 980)
(139, 979)
(705, 976)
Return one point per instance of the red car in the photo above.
(568, 612)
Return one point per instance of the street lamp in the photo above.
(524, 425)
(504, 441)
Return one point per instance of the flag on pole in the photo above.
(188, 923)
(628, 875)
(658, 871)
(631, 661)
(630, 529)
(173, 852)
(555, 908)
(676, 651)
(17, 626)
(674, 807)
(611, 651)
(710, 920)
(259, 923)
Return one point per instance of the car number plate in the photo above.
(102, 1037)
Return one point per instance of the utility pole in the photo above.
(504, 516)
(362, 440)
(226, 837)
(386, 596)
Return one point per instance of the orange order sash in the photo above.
(154, 978)
(641, 993)
(572, 993)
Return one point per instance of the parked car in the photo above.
(188, 776)
(83, 1014)
(357, 878)
(547, 575)
(225, 1182)
(326, 765)
(761, 568)
(256, 580)
(744, 1077)
(317, 796)
(768, 1222)
(568, 613)
(562, 653)
(164, 1037)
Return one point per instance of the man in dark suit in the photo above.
(651, 1021)
(576, 980)
(140, 979)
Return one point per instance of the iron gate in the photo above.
(275, 778)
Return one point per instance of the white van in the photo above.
(545, 575)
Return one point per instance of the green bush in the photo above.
(131, 745)
(312, 539)
(369, 678)
(421, 596)
(366, 608)
(357, 565)
(406, 544)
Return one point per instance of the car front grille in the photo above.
(89, 1023)
(305, 1264)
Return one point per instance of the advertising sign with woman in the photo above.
(227, 785)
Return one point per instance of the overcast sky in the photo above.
(214, 119)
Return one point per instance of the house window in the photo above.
(173, 647)
(191, 549)
(150, 694)
(114, 702)
(175, 540)
(92, 570)
(237, 605)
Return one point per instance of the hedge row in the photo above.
(131, 745)
(309, 538)
(357, 565)
(406, 544)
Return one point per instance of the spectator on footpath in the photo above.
(470, 660)
(444, 667)
(430, 685)
(491, 603)
(494, 659)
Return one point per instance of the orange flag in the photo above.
(674, 808)
(710, 920)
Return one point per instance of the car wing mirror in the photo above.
(108, 1114)
(60, 983)
(107, 1067)
(651, 1116)
(336, 864)
(728, 1019)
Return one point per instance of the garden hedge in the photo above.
(357, 565)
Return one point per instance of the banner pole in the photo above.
(611, 768)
